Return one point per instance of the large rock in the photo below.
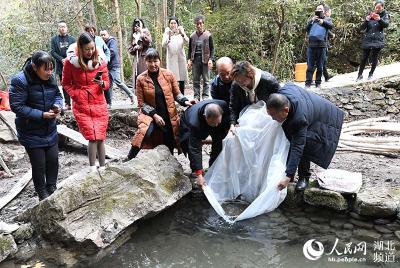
(325, 198)
(90, 211)
(7, 246)
(372, 204)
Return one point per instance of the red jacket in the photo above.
(89, 105)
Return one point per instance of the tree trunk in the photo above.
(139, 8)
(92, 13)
(173, 4)
(165, 14)
(120, 41)
(280, 24)
(79, 16)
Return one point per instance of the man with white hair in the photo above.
(221, 84)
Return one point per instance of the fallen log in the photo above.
(77, 137)
(17, 188)
(4, 166)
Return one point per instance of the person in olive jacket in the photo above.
(374, 39)
(312, 125)
(36, 101)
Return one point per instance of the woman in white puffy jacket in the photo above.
(174, 39)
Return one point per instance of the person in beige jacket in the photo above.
(174, 39)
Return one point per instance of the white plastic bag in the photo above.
(250, 165)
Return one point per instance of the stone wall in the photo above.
(374, 99)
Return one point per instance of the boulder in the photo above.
(24, 232)
(90, 211)
(371, 204)
(319, 197)
(7, 246)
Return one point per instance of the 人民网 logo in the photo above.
(311, 253)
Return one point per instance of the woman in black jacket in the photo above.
(36, 100)
(374, 39)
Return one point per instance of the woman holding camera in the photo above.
(374, 39)
(36, 100)
(85, 77)
(174, 39)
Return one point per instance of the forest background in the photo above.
(270, 34)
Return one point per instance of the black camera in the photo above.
(319, 14)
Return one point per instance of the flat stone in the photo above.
(344, 235)
(366, 235)
(363, 224)
(356, 113)
(397, 234)
(369, 203)
(356, 216)
(337, 223)
(319, 219)
(90, 211)
(301, 221)
(293, 198)
(326, 198)
(382, 221)
(24, 232)
(348, 226)
(7, 246)
(8, 227)
(382, 229)
(394, 226)
(392, 110)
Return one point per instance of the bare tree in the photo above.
(139, 7)
(280, 21)
(119, 33)
(92, 13)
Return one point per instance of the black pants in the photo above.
(303, 169)
(182, 87)
(168, 140)
(374, 60)
(325, 68)
(44, 162)
(67, 98)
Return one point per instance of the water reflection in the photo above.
(191, 234)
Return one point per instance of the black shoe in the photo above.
(370, 76)
(51, 189)
(302, 184)
(328, 78)
(42, 193)
(307, 86)
(359, 78)
(318, 86)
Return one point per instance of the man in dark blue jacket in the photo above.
(221, 84)
(207, 117)
(317, 30)
(114, 68)
(312, 125)
(59, 46)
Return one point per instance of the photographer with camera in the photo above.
(374, 39)
(317, 30)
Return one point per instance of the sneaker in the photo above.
(328, 78)
(42, 193)
(359, 78)
(92, 169)
(102, 168)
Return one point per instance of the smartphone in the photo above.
(319, 13)
(98, 75)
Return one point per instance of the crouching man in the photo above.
(312, 125)
(207, 117)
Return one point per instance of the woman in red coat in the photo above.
(86, 90)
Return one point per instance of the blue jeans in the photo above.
(315, 58)
(115, 77)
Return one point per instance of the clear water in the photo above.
(191, 234)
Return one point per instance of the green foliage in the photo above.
(243, 30)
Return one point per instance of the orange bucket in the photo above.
(300, 70)
(4, 96)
